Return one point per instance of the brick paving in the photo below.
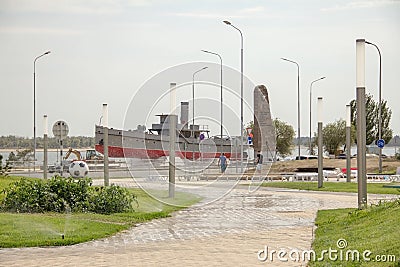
(226, 232)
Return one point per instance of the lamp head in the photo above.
(227, 22)
(48, 52)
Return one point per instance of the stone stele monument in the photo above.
(264, 139)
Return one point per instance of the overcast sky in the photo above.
(108, 51)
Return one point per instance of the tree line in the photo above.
(16, 142)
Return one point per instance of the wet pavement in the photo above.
(229, 231)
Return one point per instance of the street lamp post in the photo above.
(298, 102)
(361, 124)
(34, 108)
(380, 104)
(192, 134)
(311, 152)
(241, 93)
(221, 119)
(320, 144)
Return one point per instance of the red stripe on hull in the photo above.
(120, 152)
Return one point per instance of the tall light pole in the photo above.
(380, 104)
(320, 144)
(361, 124)
(241, 93)
(34, 108)
(192, 134)
(221, 119)
(298, 102)
(311, 152)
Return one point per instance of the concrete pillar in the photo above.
(45, 142)
(320, 145)
(348, 143)
(173, 119)
(105, 141)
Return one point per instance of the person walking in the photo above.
(259, 162)
(222, 162)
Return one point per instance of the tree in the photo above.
(12, 156)
(24, 155)
(6, 168)
(284, 134)
(372, 119)
(15, 142)
(334, 135)
(284, 137)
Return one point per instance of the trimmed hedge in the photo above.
(65, 195)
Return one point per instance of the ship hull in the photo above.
(137, 144)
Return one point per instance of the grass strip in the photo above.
(375, 229)
(372, 188)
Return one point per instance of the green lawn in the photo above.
(48, 229)
(373, 188)
(375, 229)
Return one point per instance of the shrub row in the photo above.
(60, 194)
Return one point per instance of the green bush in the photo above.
(65, 194)
(73, 193)
(110, 199)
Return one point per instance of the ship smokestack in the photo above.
(184, 114)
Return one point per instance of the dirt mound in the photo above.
(388, 165)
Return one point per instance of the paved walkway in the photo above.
(226, 232)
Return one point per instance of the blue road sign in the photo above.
(380, 143)
(249, 140)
